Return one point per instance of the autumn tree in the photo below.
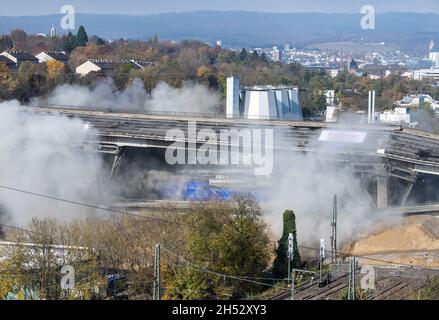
(5, 43)
(55, 68)
(19, 39)
(228, 238)
(7, 83)
(33, 261)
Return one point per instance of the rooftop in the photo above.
(57, 55)
(21, 55)
(269, 87)
(111, 64)
(6, 60)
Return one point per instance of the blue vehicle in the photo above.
(202, 191)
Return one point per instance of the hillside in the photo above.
(239, 28)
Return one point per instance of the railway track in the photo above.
(389, 287)
(311, 291)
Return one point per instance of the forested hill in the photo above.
(239, 28)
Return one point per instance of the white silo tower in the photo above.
(233, 89)
(260, 104)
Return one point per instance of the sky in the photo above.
(144, 7)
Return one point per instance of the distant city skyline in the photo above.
(145, 7)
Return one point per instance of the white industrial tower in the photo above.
(232, 108)
(262, 102)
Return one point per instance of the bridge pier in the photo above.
(118, 159)
(382, 192)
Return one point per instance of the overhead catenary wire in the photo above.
(199, 268)
(222, 275)
(87, 205)
(339, 254)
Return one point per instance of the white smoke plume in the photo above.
(40, 154)
(191, 98)
(307, 186)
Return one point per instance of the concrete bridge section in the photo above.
(384, 151)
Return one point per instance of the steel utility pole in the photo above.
(157, 280)
(292, 284)
(352, 269)
(322, 256)
(334, 231)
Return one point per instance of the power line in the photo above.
(243, 277)
(347, 255)
(195, 266)
(341, 254)
(87, 205)
(14, 228)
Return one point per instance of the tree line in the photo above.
(209, 252)
(194, 61)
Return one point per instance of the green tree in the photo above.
(81, 37)
(100, 41)
(31, 81)
(243, 55)
(306, 77)
(154, 39)
(254, 56)
(431, 289)
(320, 103)
(280, 265)
(228, 238)
(189, 284)
(70, 42)
(6, 43)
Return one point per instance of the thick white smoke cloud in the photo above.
(307, 186)
(40, 154)
(191, 98)
(309, 190)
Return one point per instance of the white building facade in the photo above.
(434, 57)
(262, 102)
(426, 74)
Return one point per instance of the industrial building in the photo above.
(277, 54)
(434, 57)
(426, 74)
(397, 116)
(262, 102)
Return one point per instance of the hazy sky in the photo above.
(141, 7)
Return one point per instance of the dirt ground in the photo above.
(413, 241)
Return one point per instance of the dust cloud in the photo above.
(42, 154)
(191, 98)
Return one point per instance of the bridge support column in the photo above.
(118, 159)
(382, 192)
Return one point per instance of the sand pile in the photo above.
(415, 241)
